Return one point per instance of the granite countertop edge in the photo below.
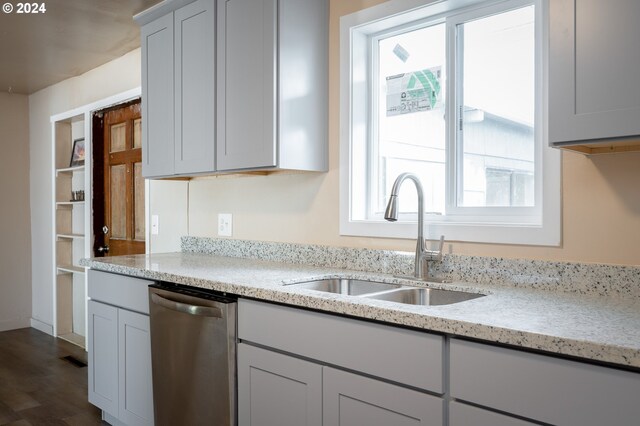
(600, 329)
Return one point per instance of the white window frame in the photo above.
(531, 226)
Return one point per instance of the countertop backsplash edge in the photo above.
(571, 277)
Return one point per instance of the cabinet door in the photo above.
(547, 389)
(593, 63)
(157, 97)
(277, 390)
(135, 389)
(352, 400)
(247, 53)
(103, 356)
(467, 415)
(195, 47)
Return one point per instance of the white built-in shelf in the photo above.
(69, 170)
(70, 269)
(68, 203)
(70, 236)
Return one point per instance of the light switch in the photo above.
(225, 222)
(154, 224)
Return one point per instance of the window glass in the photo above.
(454, 96)
(496, 132)
(410, 126)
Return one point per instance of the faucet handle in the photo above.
(436, 254)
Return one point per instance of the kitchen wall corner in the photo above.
(15, 253)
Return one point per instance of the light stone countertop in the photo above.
(599, 328)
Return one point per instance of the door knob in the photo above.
(103, 249)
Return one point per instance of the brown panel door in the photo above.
(124, 216)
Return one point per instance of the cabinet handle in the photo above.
(205, 311)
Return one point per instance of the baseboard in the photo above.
(112, 420)
(14, 324)
(41, 326)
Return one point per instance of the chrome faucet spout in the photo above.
(391, 214)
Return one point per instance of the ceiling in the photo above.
(70, 38)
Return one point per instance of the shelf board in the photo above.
(69, 203)
(70, 269)
(74, 338)
(70, 236)
(69, 170)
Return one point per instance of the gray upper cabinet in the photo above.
(195, 87)
(593, 63)
(157, 97)
(178, 89)
(272, 85)
(234, 85)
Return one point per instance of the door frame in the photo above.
(87, 112)
(110, 102)
(99, 206)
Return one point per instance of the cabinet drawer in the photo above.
(543, 388)
(119, 290)
(404, 356)
(467, 415)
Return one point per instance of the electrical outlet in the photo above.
(225, 224)
(154, 224)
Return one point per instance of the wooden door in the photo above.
(124, 214)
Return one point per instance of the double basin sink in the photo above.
(390, 292)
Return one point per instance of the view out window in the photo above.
(455, 97)
(496, 128)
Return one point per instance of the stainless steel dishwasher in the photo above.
(193, 355)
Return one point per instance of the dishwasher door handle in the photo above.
(205, 311)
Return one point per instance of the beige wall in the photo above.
(107, 80)
(601, 200)
(15, 250)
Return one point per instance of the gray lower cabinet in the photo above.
(102, 346)
(468, 415)
(277, 387)
(353, 400)
(277, 390)
(120, 363)
(593, 66)
(119, 349)
(178, 90)
(542, 388)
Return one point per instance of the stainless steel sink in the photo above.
(424, 296)
(346, 286)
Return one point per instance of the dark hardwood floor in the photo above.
(38, 386)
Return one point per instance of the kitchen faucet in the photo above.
(423, 255)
